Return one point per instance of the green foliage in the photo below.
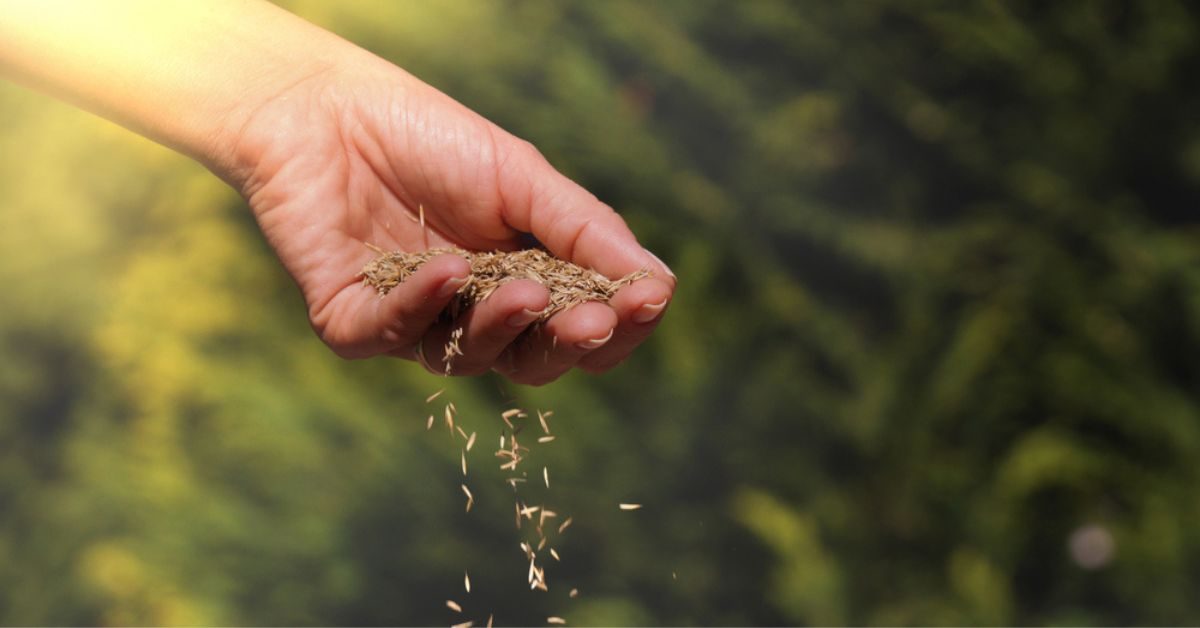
(940, 308)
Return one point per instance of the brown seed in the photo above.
(630, 506)
(471, 441)
(554, 554)
(452, 605)
(557, 621)
(429, 423)
(541, 543)
(463, 454)
(434, 395)
(567, 283)
(565, 524)
(489, 624)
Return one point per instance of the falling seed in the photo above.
(565, 524)
(502, 441)
(467, 581)
(452, 605)
(573, 594)
(554, 554)
(529, 510)
(470, 497)
(546, 476)
(517, 508)
(674, 576)
(461, 432)
(508, 414)
(542, 420)
(434, 395)
(429, 423)
(450, 420)
(541, 543)
(465, 624)
(489, 624)
(471, 441)
(545, 439)
(532, 570)
(463, 454)
(558, 621)
(630, 506)
(421, 215)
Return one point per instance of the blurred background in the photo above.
(935, 358)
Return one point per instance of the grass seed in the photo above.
(569, 284)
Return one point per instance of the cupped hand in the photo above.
(348, 158)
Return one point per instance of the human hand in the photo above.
(365, 154)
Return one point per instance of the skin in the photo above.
(334, 149)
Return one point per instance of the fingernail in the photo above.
(649, 312)
(596, 343)
(451, 286)
(523, 318)
(664, 264)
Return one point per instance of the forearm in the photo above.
(186, 73)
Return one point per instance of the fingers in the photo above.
(488, 328)
(552, 349)
(638, 308)
(568, 219)
(400, 318)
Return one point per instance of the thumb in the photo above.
(568, 219)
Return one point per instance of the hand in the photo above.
(352, 156)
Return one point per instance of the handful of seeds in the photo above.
(569, 284)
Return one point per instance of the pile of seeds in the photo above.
(569, 284)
